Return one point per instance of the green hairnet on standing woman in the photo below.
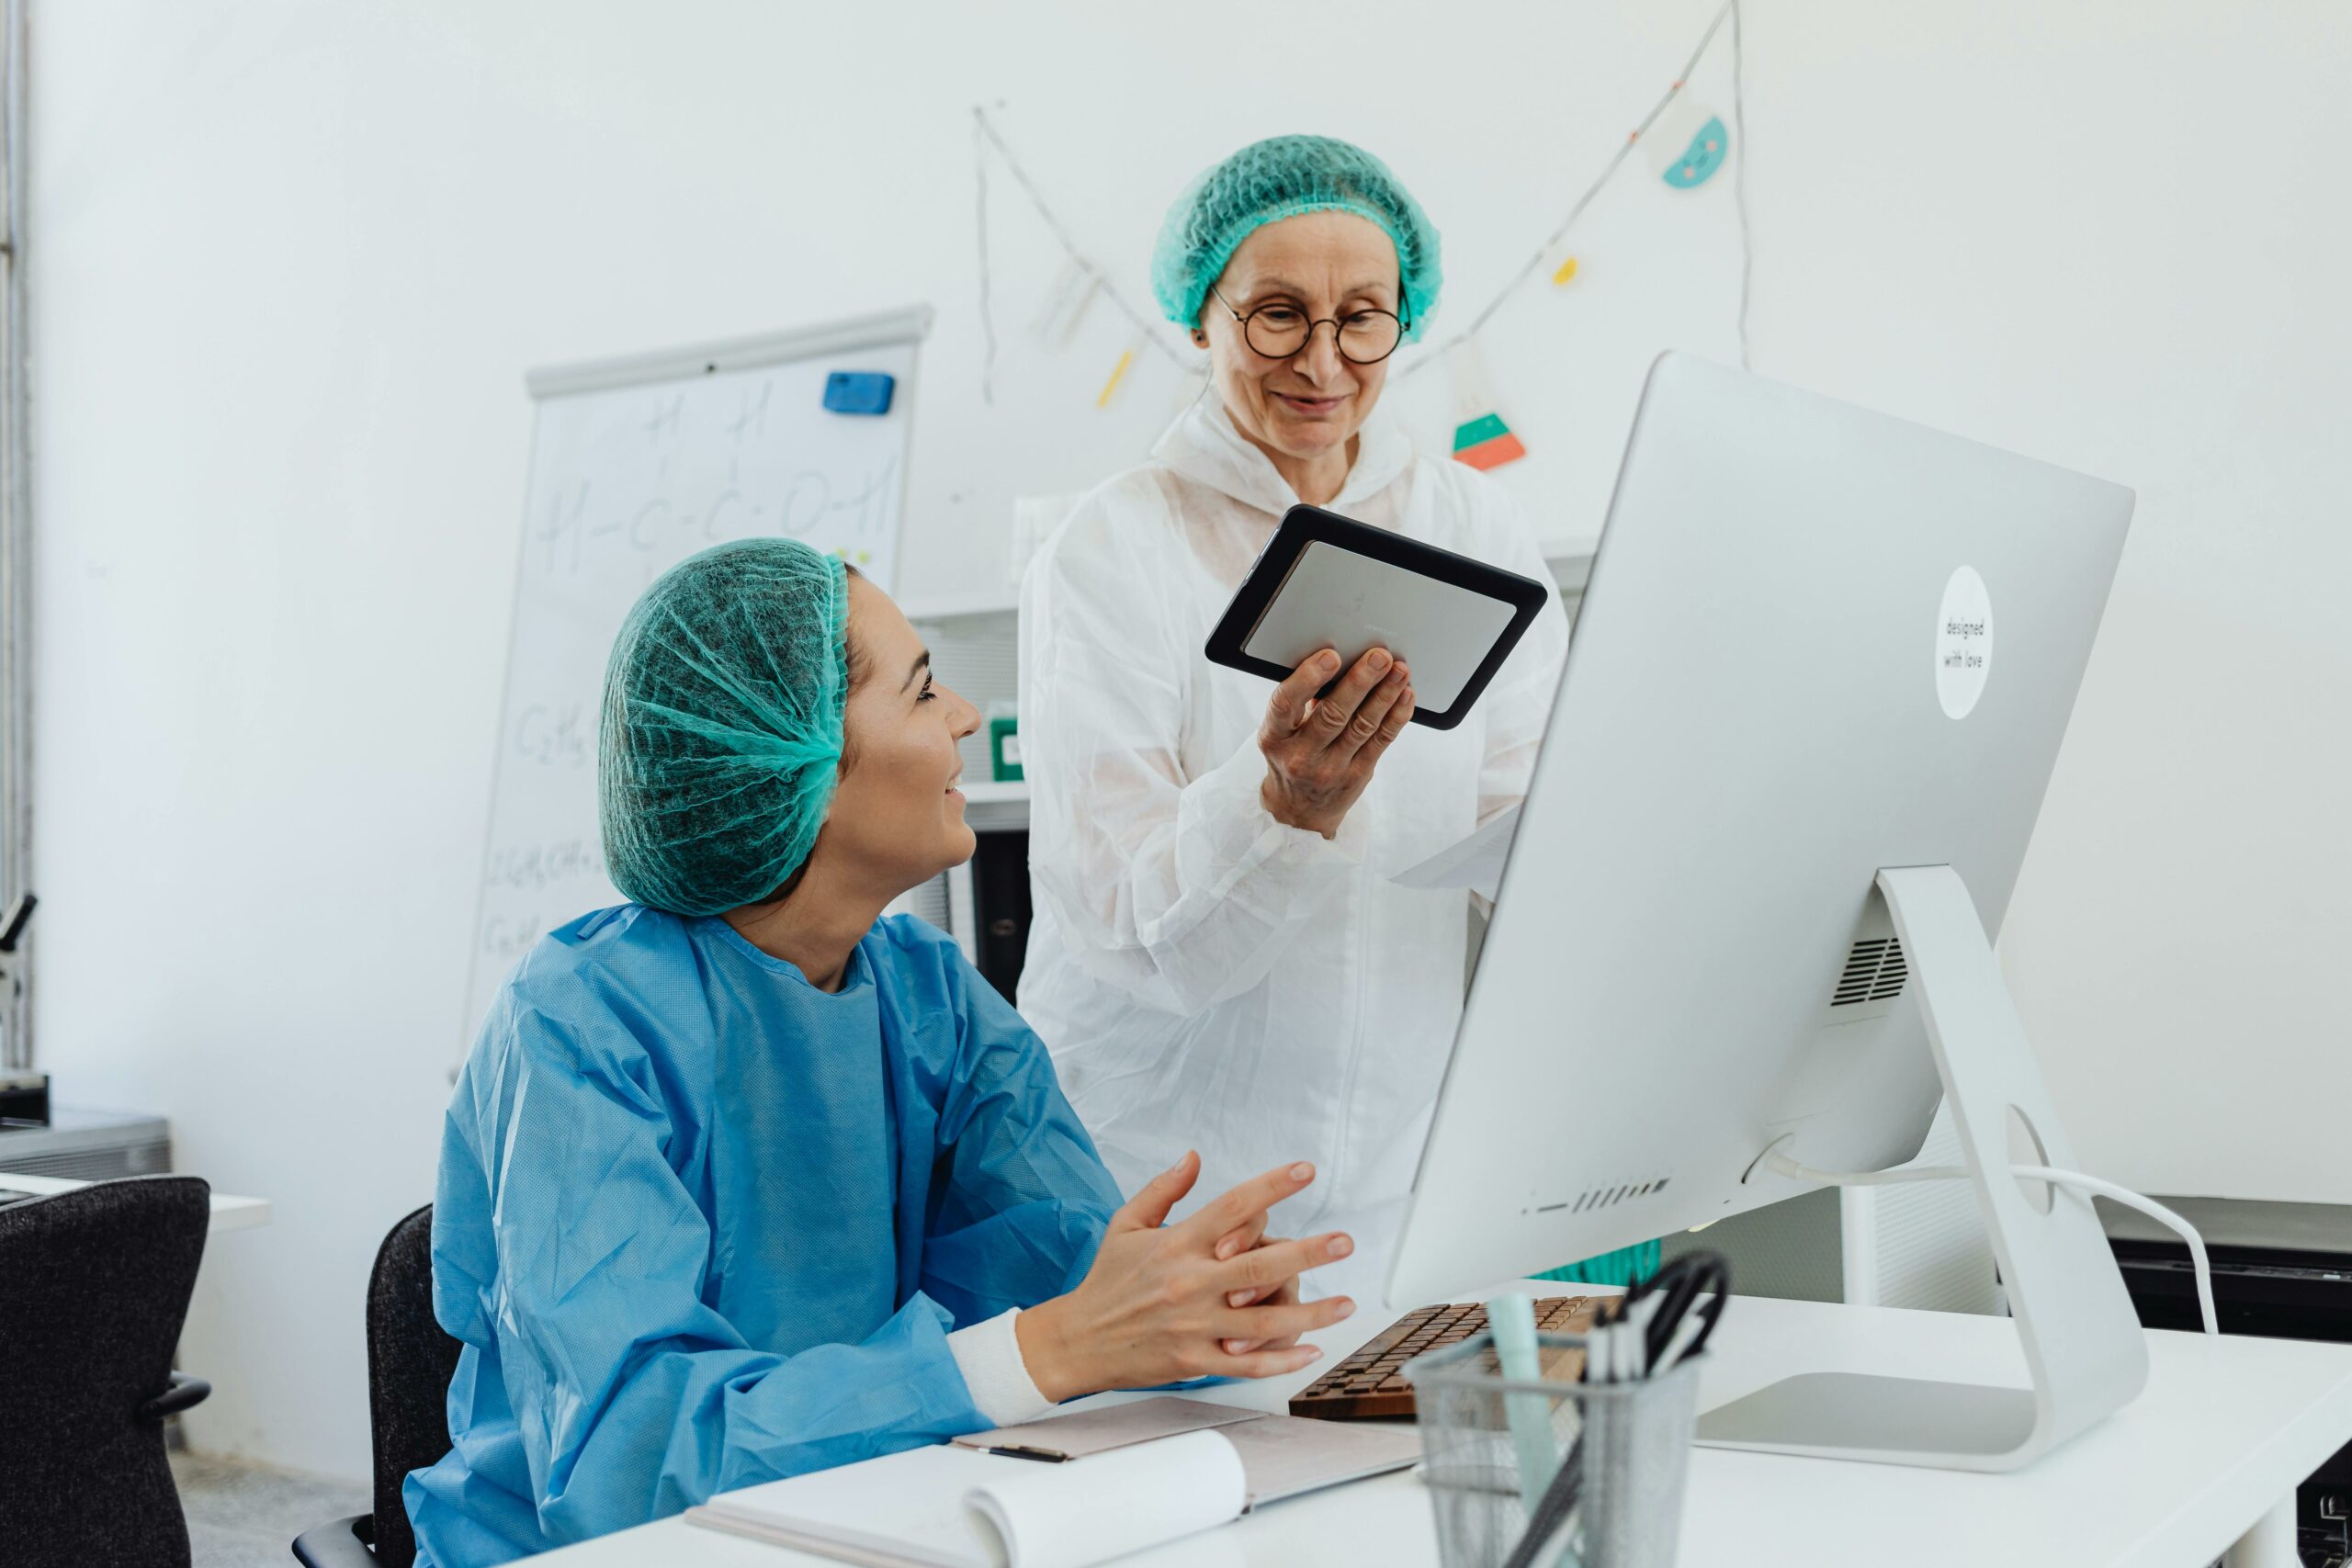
(742, 1179)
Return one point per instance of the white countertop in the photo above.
(2226, 1429)
(230, 1213)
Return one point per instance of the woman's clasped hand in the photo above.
(1156, 1305)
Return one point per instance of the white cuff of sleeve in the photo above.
(1222, 820)
(989, 1355)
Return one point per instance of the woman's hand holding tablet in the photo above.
(1321, 750)
(1328, 583)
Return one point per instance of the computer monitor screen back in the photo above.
(1816, 641)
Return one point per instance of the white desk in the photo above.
(2226, 1430)
(229, 1212)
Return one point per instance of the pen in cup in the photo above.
(1512, 1318)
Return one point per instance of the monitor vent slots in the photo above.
(1602, 1197)
(1875, 971)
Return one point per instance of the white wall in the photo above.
(289, 263)
(2109, 235)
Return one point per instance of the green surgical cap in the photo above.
(721, 734)
(1282, 177)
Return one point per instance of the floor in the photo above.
(241, 1515)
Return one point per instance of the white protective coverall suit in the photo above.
(1205, 977)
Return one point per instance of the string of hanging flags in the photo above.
(1687, 143)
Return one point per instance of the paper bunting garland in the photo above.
(1118, 374)
(1680, 155)
(1687, 144)
(1480, 438)
(1077, 267)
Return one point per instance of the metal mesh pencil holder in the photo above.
(1628, 1448)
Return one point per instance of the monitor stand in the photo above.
(2083, 1348)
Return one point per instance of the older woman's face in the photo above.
(1324, 264)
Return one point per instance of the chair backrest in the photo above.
(93, 1288)
(410, 1363)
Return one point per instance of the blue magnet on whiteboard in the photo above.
(859, 391)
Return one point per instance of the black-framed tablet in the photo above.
(1325, 580)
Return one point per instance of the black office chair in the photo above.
(93, 1287)
(410, 1363)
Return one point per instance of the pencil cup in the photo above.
(1610, 1491)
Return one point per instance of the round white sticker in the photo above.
(1964, 643)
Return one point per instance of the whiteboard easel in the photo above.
(636, 463)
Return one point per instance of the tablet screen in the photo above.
(1336, 598)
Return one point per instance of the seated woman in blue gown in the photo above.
(742, 1179)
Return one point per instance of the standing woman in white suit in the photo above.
(1218, 956)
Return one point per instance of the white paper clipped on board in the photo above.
(635, 466)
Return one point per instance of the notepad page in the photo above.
(1285, 1456)
(1092, 1510)
(907, 1507)
(1084, 1433)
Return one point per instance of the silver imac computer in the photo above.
(1820, 678)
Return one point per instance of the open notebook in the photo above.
(1115, 1480)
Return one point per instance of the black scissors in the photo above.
(1696, 1281)
(1683, 1283)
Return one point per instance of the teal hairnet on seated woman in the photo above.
(742, 1180)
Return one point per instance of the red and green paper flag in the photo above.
(1480, 438)
(1485, 442)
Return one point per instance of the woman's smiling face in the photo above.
(1324, 265)
(896, 816)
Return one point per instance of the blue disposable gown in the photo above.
(702, 1224)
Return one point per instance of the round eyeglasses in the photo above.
(1282, 330)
